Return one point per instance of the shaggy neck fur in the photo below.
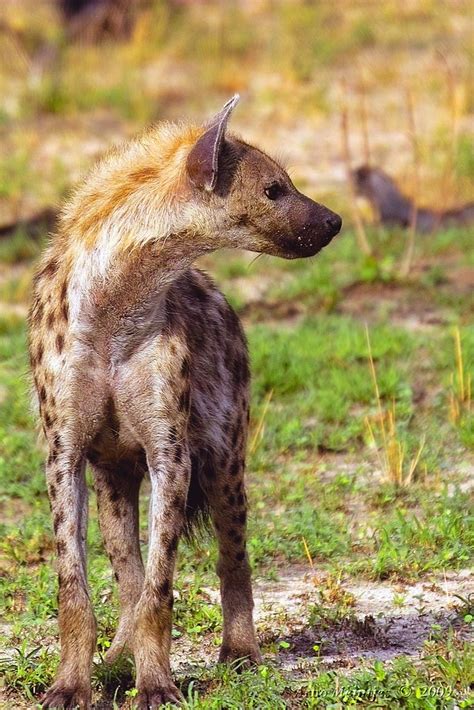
(137, 198)
(136, 194)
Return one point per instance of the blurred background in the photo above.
(79, 75)
(362, 358)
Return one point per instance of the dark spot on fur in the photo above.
(52, 492)
(226, 489)
(38, 312)
(116, 575)
(59, 477)
(208, 469)
(114, 496)
(178, 453)
(170, 324)
(173, 435)
(60, 342)
(185, 368)
(184, 400)
(93, 456)
(231, 499)
(241, 499)
(58, 520)
(49, 269)
(47, 420)
(178, 502)
(116, 511)
(240, 556)
(235, 435)
(240, 518)
(164, 588)
(240, 372)
(42, 393)
(172, 545)
(60, 547)
(235, 467)
(198, 293)
(40, 353)
(50, 320)
(232, 321)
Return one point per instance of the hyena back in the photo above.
(140, 367)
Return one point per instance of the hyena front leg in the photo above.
(117, 491)
(226, 495)
(169, 467)
(158, 414)
(77, 628)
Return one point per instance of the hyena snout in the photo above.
(312, 227)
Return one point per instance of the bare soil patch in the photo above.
(388, 620)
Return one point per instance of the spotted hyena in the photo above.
(140, 366)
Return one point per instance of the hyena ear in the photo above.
(202, 161)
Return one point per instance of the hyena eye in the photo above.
(274, 191)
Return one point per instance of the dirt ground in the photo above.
(380, 628)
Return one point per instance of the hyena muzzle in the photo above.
(141, 368)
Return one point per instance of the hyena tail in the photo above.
(203, 471)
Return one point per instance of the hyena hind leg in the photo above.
(117, 489)
(225, 492)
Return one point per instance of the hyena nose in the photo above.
(334, 224)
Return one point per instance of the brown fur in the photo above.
(141, 367)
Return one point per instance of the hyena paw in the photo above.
(249, 656)
(153, 698)
(60, 696)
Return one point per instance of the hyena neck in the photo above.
(133, 220)
(138, 194)
(137, 295)
(130, 296)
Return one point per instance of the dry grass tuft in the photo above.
(384, 437)
(460, 398)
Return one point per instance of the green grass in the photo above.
(313, 486)
(314, 479)
(441, 679)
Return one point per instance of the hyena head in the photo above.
(250, 199)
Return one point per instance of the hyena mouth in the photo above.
(312, 239)
(313, 227)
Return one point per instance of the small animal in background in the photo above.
(141, 367)
(395, 209)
